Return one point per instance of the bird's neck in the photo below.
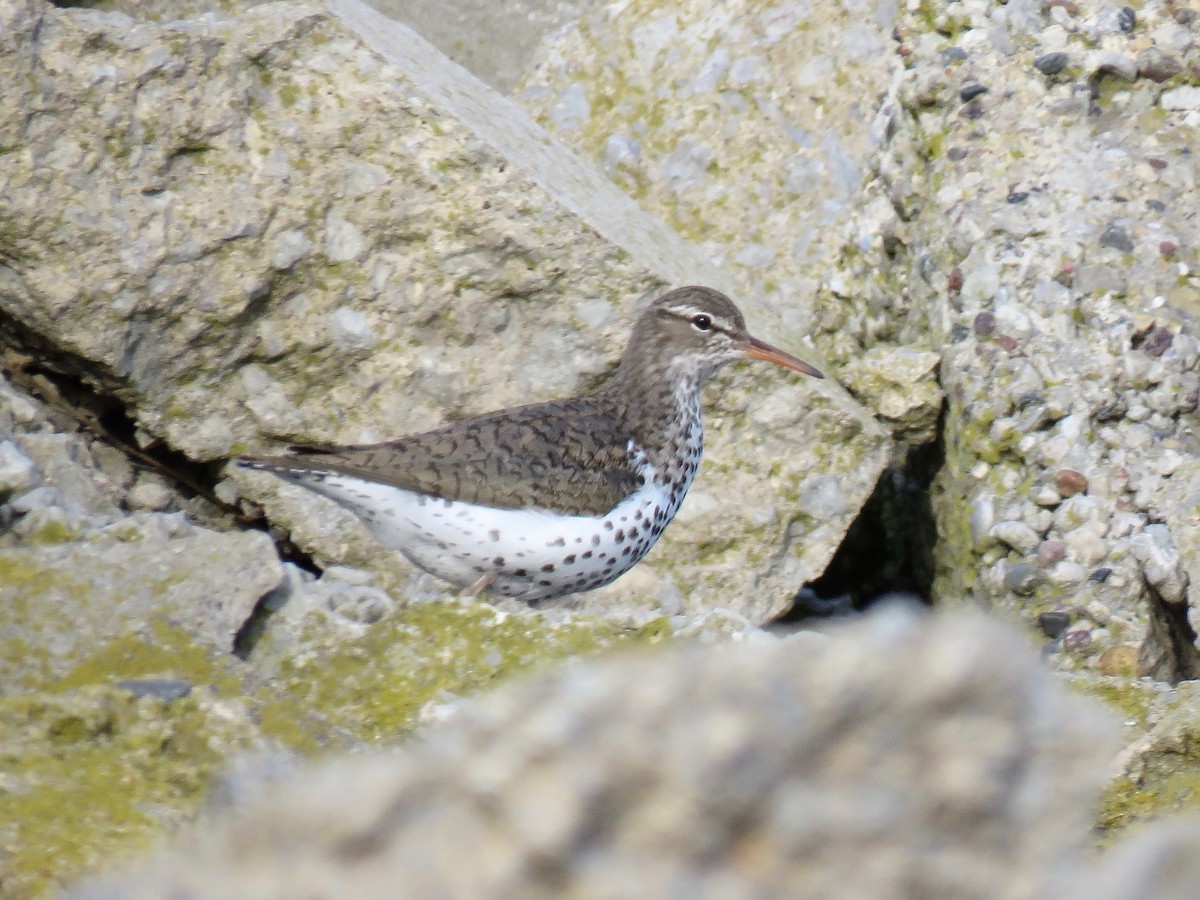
(660, 408)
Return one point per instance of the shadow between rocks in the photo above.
(889, 549)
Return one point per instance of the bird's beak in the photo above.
(753, 348)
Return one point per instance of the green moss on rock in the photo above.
(94, 775)
(373, 686)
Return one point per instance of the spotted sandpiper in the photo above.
(553, 498)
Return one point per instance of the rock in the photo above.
(1117, 64)
(901, 384)
(1050, 552)
(1117, 238)
(1161, 860)
(1066, 572)
(970, 91)
(59, 601)
(148, 753)
(1017, 535)
(1185, 97)
(970, 777)
(698, 168)
(1051, 63)
(1022, 578)
(1085, 546)
(230, 314)
(980, 518)
(151, 493)
(65, 462)
(1160, 562)
(1156, 65)
(163, 688)
(1068, 482)
(1119, 661)
(1054, 623)
(17, 471)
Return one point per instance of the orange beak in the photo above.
(753, 348)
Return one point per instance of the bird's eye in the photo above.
(702, 322)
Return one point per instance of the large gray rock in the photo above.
(1034, 223)
(495, 41)
(733, 122)
(139, 576)
(1053, 234)
(901, 757)
(1161, 861)
(280, 234)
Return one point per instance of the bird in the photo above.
(540, 501)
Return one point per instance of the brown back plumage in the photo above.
(571, 455)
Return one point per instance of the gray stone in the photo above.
(66, 599)
(1051, 63)
(1185, 97)
(905, 756)
(1156, 65)
(64, 461)
(17, 471)
(1085, 546)
(1160, 860)
(494, 41)
(1017, 535)
(900, 383)
(151, 493)
(1161, 563)
(1022, 578)
(1113, 63)
(1117, 238)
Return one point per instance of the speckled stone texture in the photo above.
(751, 129)
(1053, 229)
(1011, 186)
(902, 757)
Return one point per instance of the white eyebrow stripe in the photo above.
(688, 312)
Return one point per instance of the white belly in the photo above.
(531, 554)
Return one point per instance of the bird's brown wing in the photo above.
(567, 456)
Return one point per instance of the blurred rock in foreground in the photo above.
(903, 756)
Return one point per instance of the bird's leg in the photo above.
(481, 584)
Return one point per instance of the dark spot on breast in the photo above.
(494, 534)
(620, 536)
(633, 532)
(607, 525)
(520, 573)
(545, 582)
(595, 540)
(579, 540)
(569, 558)
(498, 561)
(626, 551)
(637, 514)
(548, 567)
(587, 554)
(442, 545)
